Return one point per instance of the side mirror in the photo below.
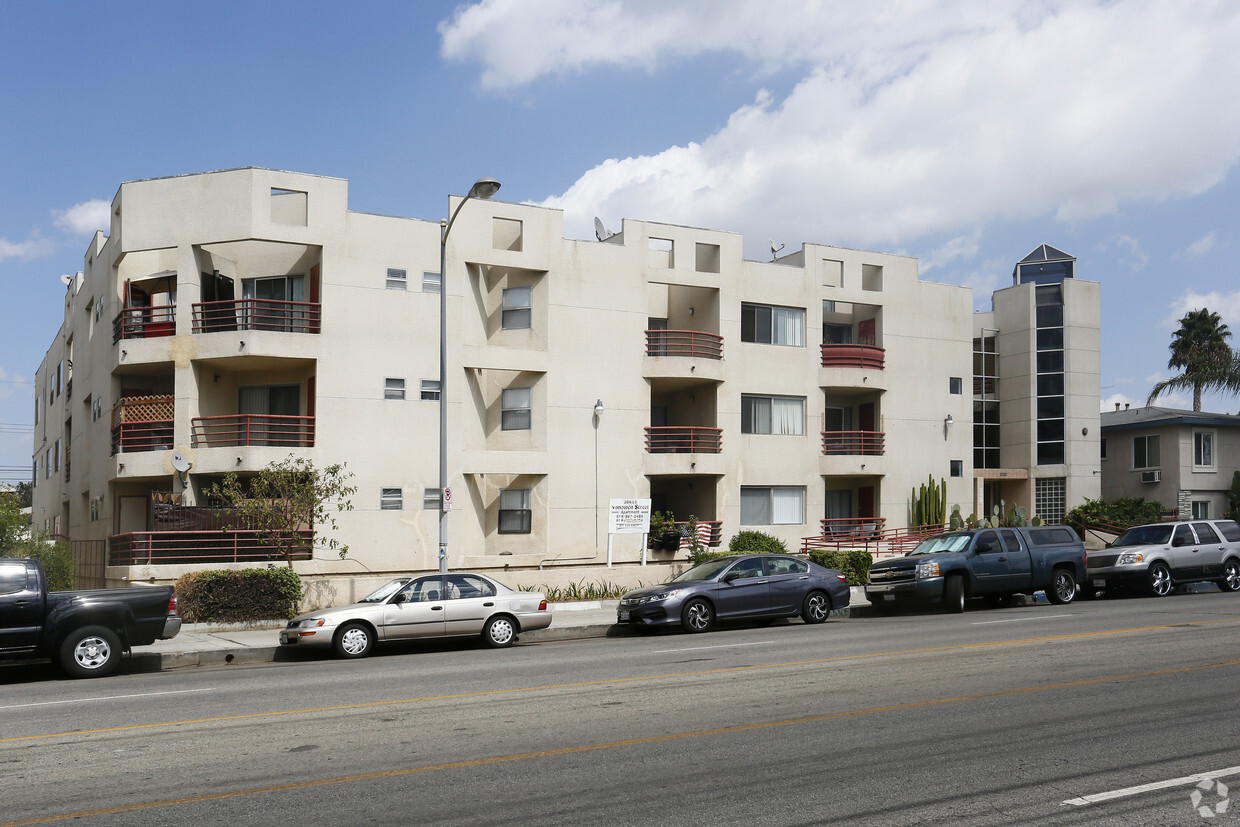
(730, 576)
(400, 597)
(981, 548)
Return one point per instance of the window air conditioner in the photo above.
(1151, 476)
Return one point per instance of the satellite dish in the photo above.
(65, 279)
(601, 232)
(775, 249)
(180, 463)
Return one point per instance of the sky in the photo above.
(962, 133)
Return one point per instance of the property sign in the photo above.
(629, 517)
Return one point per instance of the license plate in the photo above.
(1099, 583)
(624, 615)
(889, 597)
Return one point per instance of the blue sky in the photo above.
(962, 133)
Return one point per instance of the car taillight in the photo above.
(542, 607)
(172, 605)
(843, 579)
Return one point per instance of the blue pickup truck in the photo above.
(986, 562)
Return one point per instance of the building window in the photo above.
(957, 468)
(1145, 452)
(47, 463)
(517, 313)
(397, 279)
(432, 282)
(35, 481)
(393, 388)
(773, 505)
(955, 385)
(430, 499)
(1201, 509)
(773, 415)
(430, 390)
(515, 409)
(391, 499)
(1049, 496)
(514, 511)
(1102, 447)
(56, 452)
(768, 325)
(1203, 450)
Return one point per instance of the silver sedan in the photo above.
(432, 605)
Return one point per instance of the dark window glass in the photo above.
(1049, 315)
(1050, 361)
(1049, 294)
(1050, 384)
(1050, 339)
(1050, 430)
(1050, 407)
(1205, 534)
(1050, 453)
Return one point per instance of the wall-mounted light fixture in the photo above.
(598, 408)
(950, 420)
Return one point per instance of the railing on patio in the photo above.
(253, 429)
(142, 548)
(869, 534)
(151, 435)
(868, 443)
(257, 314)
(684, 440)
(684, 343)
(853, 356)
(144, 322)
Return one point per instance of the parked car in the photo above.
(1158, 557)
(750, 586)
(432, 605)
(996, 562)
(84, 631)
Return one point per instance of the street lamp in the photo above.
(483, 188)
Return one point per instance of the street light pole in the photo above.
(483, 188)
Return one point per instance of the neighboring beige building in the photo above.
(1184, 460)
(235, 317)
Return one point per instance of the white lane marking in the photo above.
(1019, 619)
(107, 698)
(1157, 785)
(698, 648)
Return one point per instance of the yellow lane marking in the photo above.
(607, 682)
(500, 759)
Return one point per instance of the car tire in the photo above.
(1158, 579)
(499, 632)
(1062, 589)
(90, 652)
(354, 640)
(816, 608)
(1230, 581)
(697, 616)
(953, 594)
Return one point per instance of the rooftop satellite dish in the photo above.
(180, 463)
(775, 250)
(65, 279)
(601, 232)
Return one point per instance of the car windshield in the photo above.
(941, 543)
(1145, 535)
(384, 592)
(704, 571)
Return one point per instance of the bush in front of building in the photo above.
(852, 563)
(238, 596)
(755, 542)
(1126, 511)
(57, 560)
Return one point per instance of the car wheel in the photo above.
(90, 652)
(354, 640)
(816, 608)
(499, 632)
(953, 594)
(698, 616)
(1160, 580)
(1062, 589)
(1231, 576)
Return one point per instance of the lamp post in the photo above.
(483, 188)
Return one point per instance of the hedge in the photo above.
(238, 596)
(853, 564)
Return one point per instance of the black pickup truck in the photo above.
(84, 631)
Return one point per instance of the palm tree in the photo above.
(1206, 362)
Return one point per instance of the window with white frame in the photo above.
(957, 468)
(783, 415)
(772, 505)
(1201, 509)
(432, 281)
(397, 279)
(1145, 452)
(391, 499)
(1203, 450)
(430, 499)
(393, 388)
(769, 325)
(515, 409)
(517, 312)
(430, 390)
(514, 511)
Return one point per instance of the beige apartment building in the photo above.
(232, 318)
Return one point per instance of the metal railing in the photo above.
(869, 534)
(257, 314)
(684, 440)
(143, 548)
(144, 322)
(693, 343)
(853, 356)
(149, 435)
(253, 429)
(866, 443)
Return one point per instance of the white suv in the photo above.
(1161, 556)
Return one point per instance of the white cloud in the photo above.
(1131, 255)
(85, 218)
(1226, 304)
(1114, 399)
(1201, 246)
(33, 247)
(960, 248)
(911, 117)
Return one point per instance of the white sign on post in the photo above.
(447, 500)
(629, 517)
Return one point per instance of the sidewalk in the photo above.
(208, 644)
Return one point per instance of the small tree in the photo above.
(1233, 497)
(12, 523)
(287, 497)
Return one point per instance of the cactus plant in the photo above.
(928, 503)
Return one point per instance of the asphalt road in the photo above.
(1042, 713)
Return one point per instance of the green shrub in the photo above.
(1125, 511)
(753, 542)
(57, 560)
(852, 563)
(238, 596)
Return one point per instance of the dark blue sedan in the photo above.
(744, 587)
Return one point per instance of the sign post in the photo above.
(628, 517)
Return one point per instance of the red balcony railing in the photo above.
(869, 533)
(144, 322)
(681, 440)
(257, 314)
(684, 343)
(142, 548)
(141, 435)
(254, 429)
(869, 443)
(853, 356)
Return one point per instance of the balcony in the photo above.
(257, 314)
(145, 548)
(142, 423)
(684, 440)
(144, 322)
(253, 429)
(692, 343)
(868, 357)
(865, 443)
